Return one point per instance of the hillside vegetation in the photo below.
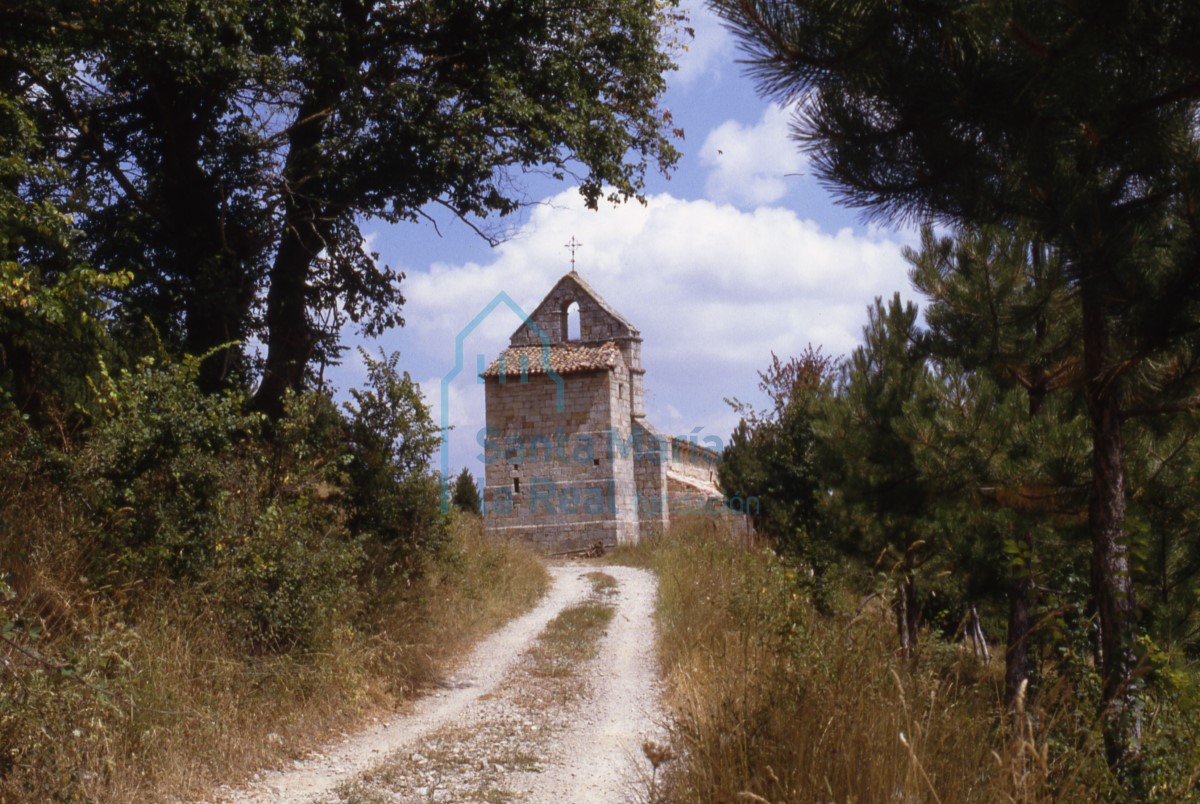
(198, 547)
(1036, 431)
(189, 592)
(774, 700)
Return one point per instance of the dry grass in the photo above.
(602, 582)
(139, 694)
(573, 636)
(773, 702)
(477, 583)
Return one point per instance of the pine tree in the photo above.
(1076, 121)
(878, 496)
(1006, 445)
(466, 496)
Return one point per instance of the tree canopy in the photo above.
(226, 153)
(1076, 121)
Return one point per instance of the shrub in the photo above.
(394, 500)
(185, 488)
(190, 576)
(147, 690)
(154, 469)
(285, 574)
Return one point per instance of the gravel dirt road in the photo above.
(508, 725)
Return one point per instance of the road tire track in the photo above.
(585, 750)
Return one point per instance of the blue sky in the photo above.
(739, 253)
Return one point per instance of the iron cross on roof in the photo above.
(573, 245)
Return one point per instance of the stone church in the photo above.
(570, 460)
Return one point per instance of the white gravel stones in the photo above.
(494, 733)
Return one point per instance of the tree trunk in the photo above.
(906, 613)
(218, 290)
(1016, 652)
(1112, 586)
(215, 318)
(290, 336)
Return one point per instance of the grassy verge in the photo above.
(573, 636)
(140, 694)
(772, 701)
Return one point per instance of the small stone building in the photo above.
(570, 460)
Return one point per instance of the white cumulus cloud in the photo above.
(714, 290)
(751, 165)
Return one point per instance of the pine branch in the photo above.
(1177, 406)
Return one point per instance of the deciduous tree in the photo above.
(228, 152)
(771, 457)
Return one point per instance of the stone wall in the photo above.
(597, 322)
(631, 349)
(552, 476)
(651, 457)
(694, 463)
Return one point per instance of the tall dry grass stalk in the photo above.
(139, 694)
(772, 701)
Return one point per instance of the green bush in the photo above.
(186, 488)
(287, 564)
(287, 574)
(154, 468)
(394, 499)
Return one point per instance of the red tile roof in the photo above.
(564, 359)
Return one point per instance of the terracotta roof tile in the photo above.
(564, 359)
